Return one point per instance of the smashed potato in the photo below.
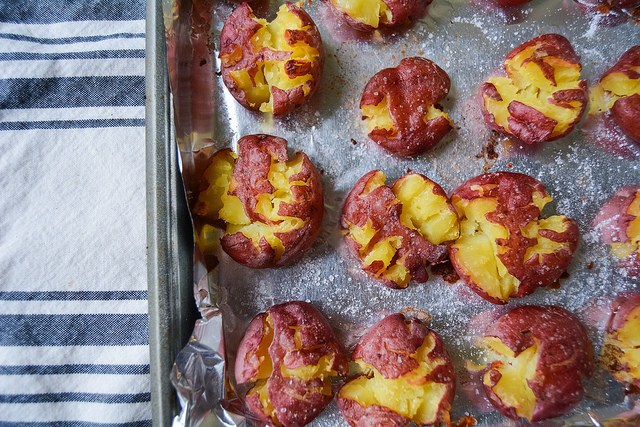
(619, 224)
(536, 360)
(621, 348)
(287, 359)
(274, 66)
(397, 232)
(368, 15)
(404, 375)
(506, 250)
(400, 106)
(542, 98)
(270, 206)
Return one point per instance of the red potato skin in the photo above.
(410, 88)
(621, 308)
(565, 357)
(235, 39)
(515, 209)
(612, 220)
(317, 340)
(387, 346)
(381, 208)
(526, 123)
(402, 12)
(250, 173)
(626, 110)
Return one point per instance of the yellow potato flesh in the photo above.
(272, 73)
(476, 250)
(369, 12)
(613, 87)
(513, 388)
(627, 340)
(425, 211)
(543, 245)
(379, 117)
(265, 369)
(409, 395)
(231, 210)
(623, 250)
(528, 85)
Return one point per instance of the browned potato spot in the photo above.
(542, 98)
(271, 207)
(621, 349)
(404, 375)
(505, 249)
(271, 66)
(396, 231)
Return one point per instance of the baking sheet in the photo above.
(469, 41)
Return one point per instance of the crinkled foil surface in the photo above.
(469, 41)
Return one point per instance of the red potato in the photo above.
(288, 357)
(400, 106)
(368, 15)
(621, 349)
(404, 375)
(271, 66)
(506, 250)
(270, 206)
(617, 95)
(537, 358)
(397, 232)
(619, 224)
(542, 98)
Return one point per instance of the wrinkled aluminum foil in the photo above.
(469, 41)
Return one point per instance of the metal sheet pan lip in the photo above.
(169, 233)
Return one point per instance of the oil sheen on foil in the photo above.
(469, 41)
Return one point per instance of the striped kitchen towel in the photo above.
(73, 293)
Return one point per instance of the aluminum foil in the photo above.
(469, 41)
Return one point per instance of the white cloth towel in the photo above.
(73, 291)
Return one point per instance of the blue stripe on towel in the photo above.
(73, 329)
(72, 92)
(96, 54)
(68, 40)
(75, 369)
(50, 11)
(146, 423)
(73, 295)
(75, 397)
(72, 124)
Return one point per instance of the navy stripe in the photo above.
(73, 329)
(146, 423)
(97, 54)
(72, 124)
(50, 11)
(75, 369)
(67, 40)
(75, 296)
(60, 92)
(75, 397)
